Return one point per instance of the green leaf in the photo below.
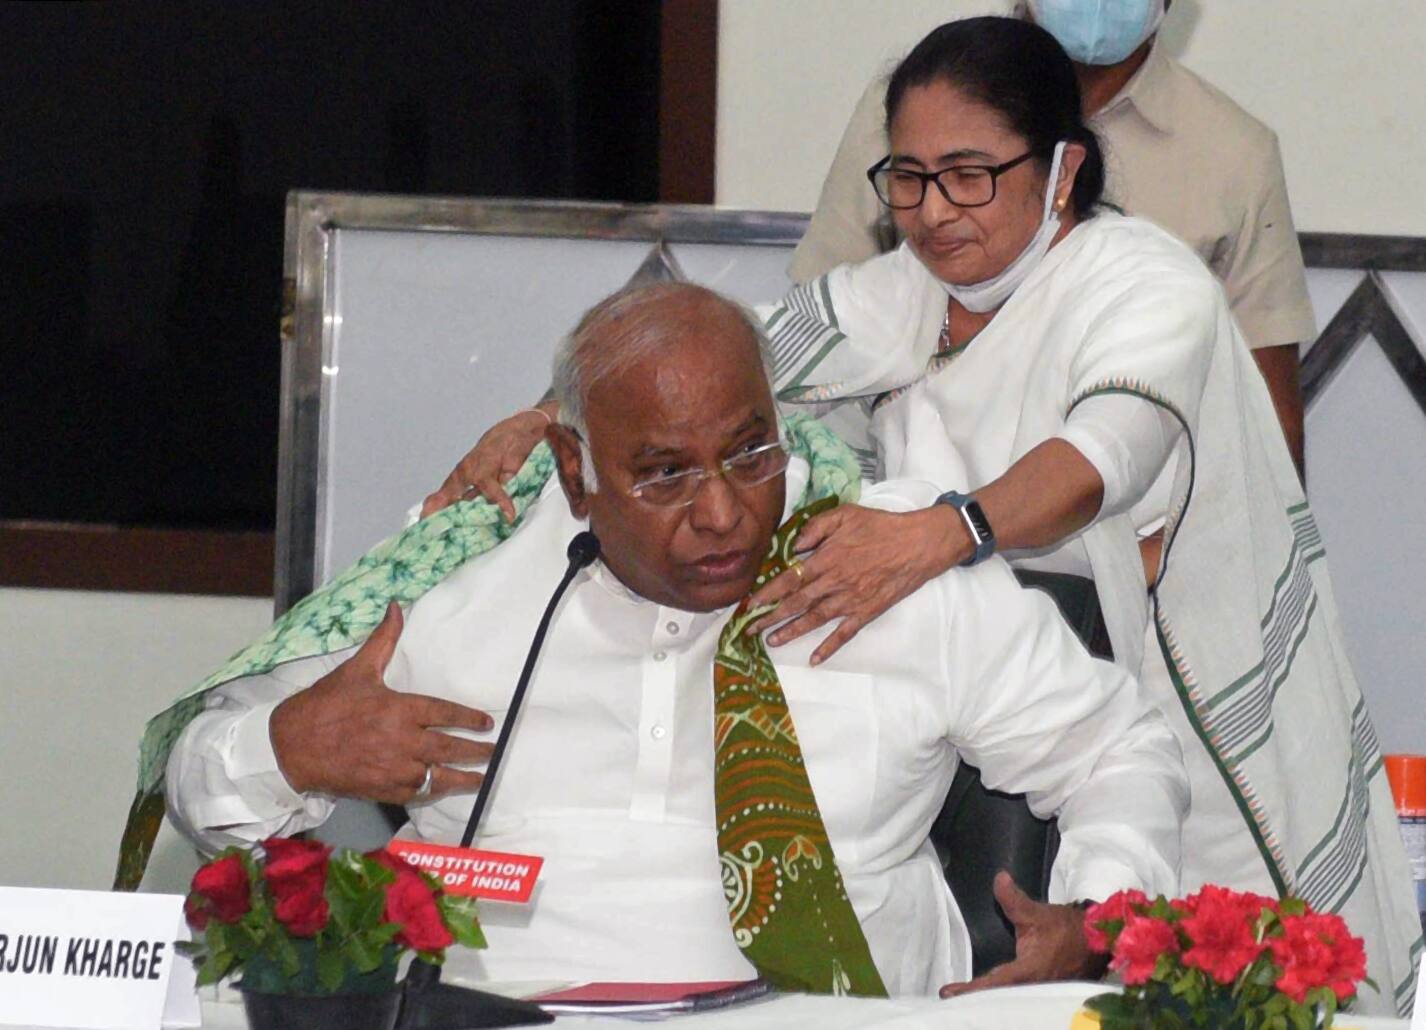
(287, 956)
(363, 954)
(469, 934)
(331, 969)
(1110, 1004)
(383, 933)
(367, 911)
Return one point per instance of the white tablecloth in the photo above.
(1040, 1007)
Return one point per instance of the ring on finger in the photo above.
(470, 489)
(424, 790)
(796, 566)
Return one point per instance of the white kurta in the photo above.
(609, 775)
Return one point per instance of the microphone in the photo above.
(429, 1004)
(583, 549)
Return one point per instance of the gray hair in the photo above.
(619, 331)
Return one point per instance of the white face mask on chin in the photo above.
(989, 294)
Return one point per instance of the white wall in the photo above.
(79, 675)
(1343, 84)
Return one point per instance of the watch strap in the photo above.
(981, 533)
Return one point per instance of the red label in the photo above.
(492, 875)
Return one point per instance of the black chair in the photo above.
(980, 832)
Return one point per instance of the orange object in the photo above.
(1407, 775)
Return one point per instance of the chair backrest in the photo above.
(980, 832)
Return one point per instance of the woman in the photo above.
(1080, 370)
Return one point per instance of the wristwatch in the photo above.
(974, 517)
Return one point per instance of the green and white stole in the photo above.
(787, 903)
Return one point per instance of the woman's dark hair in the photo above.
(1018, 69)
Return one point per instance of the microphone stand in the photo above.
(429, 1004)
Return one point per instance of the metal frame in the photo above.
(1350, 250)
(307, 325)
(1367, 312)
(307, 316)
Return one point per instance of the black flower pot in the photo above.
(322, 1012)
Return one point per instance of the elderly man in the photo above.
(624, 770)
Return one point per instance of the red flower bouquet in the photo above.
(1220, 958)
(302, 920)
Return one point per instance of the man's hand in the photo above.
(493, 460)
(1049, 944)
(350, 735)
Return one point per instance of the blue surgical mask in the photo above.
(1098, 31)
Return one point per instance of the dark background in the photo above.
(145, 153)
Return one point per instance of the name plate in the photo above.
(492, 875)
(94, 959)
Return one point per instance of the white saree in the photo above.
(1241, 635)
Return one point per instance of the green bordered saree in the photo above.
(1243, 618)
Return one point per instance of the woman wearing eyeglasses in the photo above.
(1080, 373)
(1073, 379)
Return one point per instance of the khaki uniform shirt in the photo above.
(1178, 152)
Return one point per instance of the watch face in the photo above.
(979, 521)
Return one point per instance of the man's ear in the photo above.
(568, 465)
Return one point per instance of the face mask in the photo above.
(1098, 31)
(993, 292)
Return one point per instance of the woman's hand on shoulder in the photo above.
(493, 460)
(864, 561)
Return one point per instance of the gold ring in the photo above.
(796, 566)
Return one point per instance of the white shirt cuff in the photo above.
(251, 761)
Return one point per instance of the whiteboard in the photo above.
(438, 335)
(414, 323)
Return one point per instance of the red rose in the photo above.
(411, 905)
(302, 912)
(1222, 937)
(295, 865)
(1318, 951)
(1139, 946)
(221, 890)
(195, 913)
(296, 875)
(1115, 908)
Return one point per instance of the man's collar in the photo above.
(1150, 91)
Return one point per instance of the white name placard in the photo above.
(95, 960)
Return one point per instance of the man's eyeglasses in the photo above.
(750, 467)
(962, 185)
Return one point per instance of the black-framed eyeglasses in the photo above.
(902, 189)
